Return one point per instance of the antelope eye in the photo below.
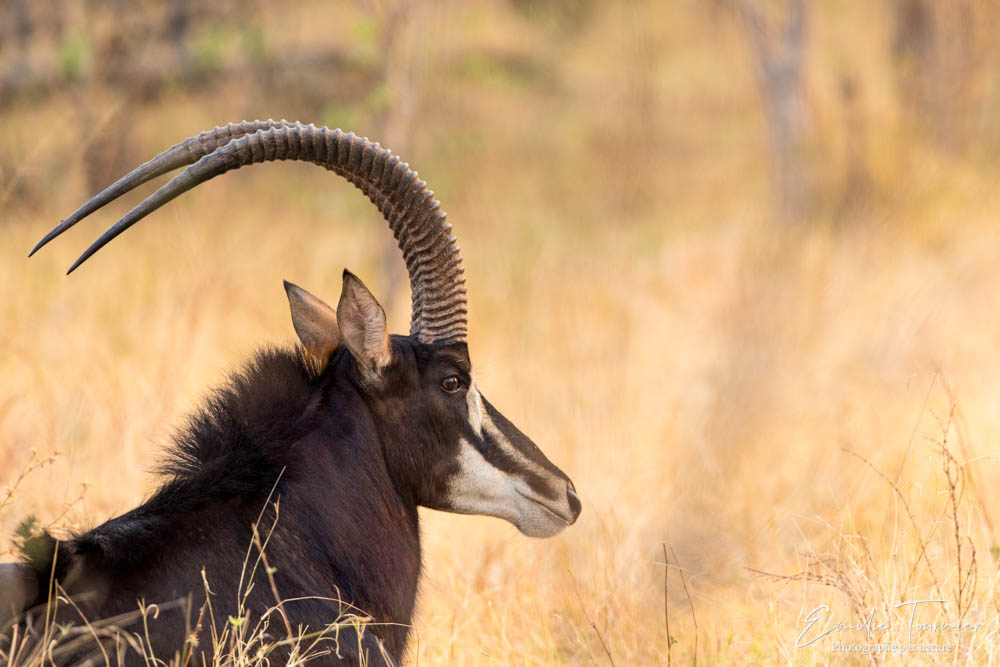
(451, 384)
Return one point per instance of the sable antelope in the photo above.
(352, 431)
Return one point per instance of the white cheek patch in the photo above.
(474, 402)
(481, 488)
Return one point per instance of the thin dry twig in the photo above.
(955, 477)
(909, 513)
(270, 570)
(694, 617)
(818, 569)
(69, 505)
(33, 464)
(86, 622)
(666, 601)
(600, 637)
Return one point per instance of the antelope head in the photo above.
(445, 445)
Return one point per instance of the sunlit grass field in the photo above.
(797, 414)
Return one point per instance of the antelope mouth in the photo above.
(556, 514)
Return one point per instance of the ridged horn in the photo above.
(431, 254)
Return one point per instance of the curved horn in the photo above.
(187, 152)
(437, 281)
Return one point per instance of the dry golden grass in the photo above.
(814, 402)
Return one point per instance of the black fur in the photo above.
(343, 531)
(334, 464)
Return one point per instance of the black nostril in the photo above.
(574, 500)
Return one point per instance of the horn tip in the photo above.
(80, 260)
(48, 237)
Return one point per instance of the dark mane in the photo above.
(237, 442)
(233, 449)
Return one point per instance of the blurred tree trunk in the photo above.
(640, 113)
(857, 185)
(400, 76)
(938, 56)
(177, 30)
(779, 61)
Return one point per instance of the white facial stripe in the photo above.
(474, 401)
(479, 420)
(508, 447)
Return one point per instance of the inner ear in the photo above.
(362, 323)
(315, 323)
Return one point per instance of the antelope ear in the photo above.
(315, 323)
(362, 323)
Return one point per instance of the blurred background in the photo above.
(732, 264)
